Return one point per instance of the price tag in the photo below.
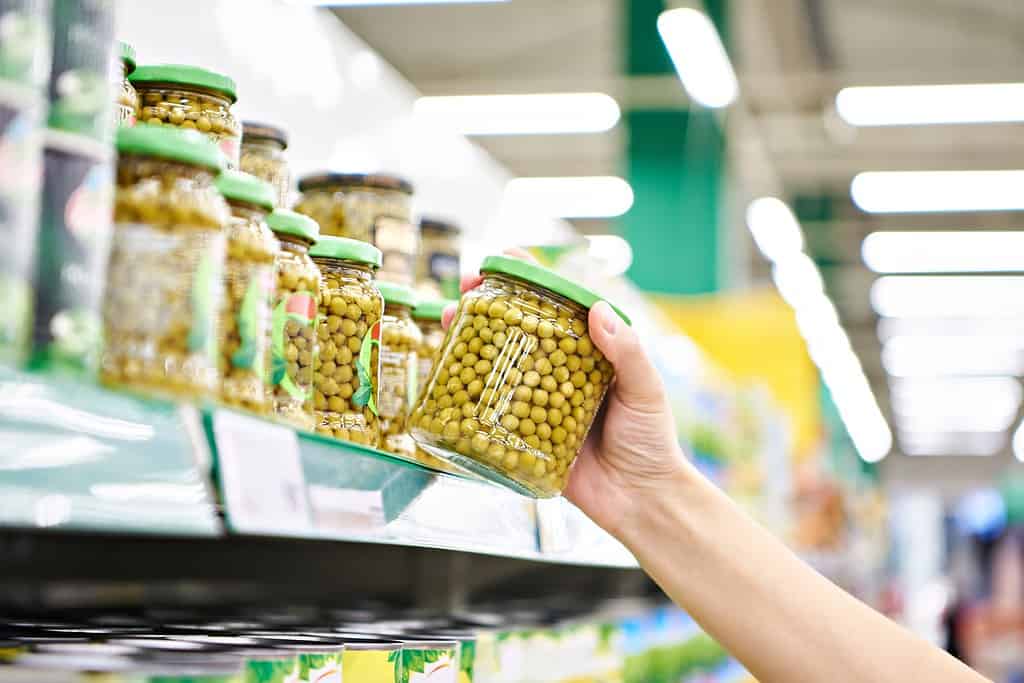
(261, 476)
(551, 523)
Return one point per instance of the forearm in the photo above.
(785, 622)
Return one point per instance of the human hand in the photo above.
(631, 454)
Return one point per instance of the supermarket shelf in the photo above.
(80, 458)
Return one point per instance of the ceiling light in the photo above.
(966, 251)
(774, 228)
(538, 114)
(948, 327)
(700, 58)
(948, 296)
(922, 356)
(930, 104)
(933, 394)
(952, 443)
(611, 251)
(374, 3)
(938, 191)
(1018, 442)
(582, 197)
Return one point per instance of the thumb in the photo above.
(637, 383)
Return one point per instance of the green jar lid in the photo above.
(432, 310)
(288, 222)
(345, 249)
(174, 144)
(546, 278)
(242, 187)
(182, 74)
(127, 55)
(397, 294)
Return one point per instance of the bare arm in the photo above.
(784, 621)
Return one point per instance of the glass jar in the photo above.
(263, 149)
(518, 381)
(294, 346)
(427, 316)
(370, 208)
(248, 292)
(400, 339)
(126, 111)
(438, 267)
(347, 376)
(164, 282)
(190, 97)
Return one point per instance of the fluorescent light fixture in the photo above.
(611, 251)
(376, 3)
(774, 228)
(1018, 443)
(948, 296)
(539, 114)
(950, 327)
(939, 356)
(798, 280)
(952, 443)
(965, 251)
(938, 191)
(912, 396)
(581, 197)
(911, 105)
(700, 58)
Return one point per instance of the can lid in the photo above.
(184, 74)
(127, 55)
(431, 224)
(346, 249)
(380, 181)
(546, 278)
(397, 294)
(418, 642)
(432, 310)
(264, 131)
(242, 187)
(288, 222)
(174, 144)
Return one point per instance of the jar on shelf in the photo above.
(347, 376)
(164, 279)
(126, 111)
(190, 97)
(294, 345)
(427, 316)
(400, 339)
(249, 286)
(374, 208)
(438, 267)
(263, 156)
(518, 380)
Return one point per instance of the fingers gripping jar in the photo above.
(190, 97)
(249, 286)
(164, 284)
(263, 149)
(518, 380)
(400, 338)
(347, 376)
(374, 208)
(294, 347)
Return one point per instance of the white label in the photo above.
(261, 474)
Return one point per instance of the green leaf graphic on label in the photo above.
(364, 394)
(395, 657)
(199, 337)
(248, 326)
(301, 308)
(269, 671)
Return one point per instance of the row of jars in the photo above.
(374, 208)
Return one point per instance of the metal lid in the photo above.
(173, 144)
(379, 181)
(430, 224)
(242, 187)
(186, 75)
(345, 249)
(264, 131)
(546, 278)
(287, 222)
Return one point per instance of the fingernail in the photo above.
(609, 319)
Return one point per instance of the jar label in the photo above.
(320, 668)
(205, 285)
(398, 241)
(272, 671)
(251, 318)
(372, 666)
(433, 666)
(364, 395)
(300, 308)
(231, 148)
